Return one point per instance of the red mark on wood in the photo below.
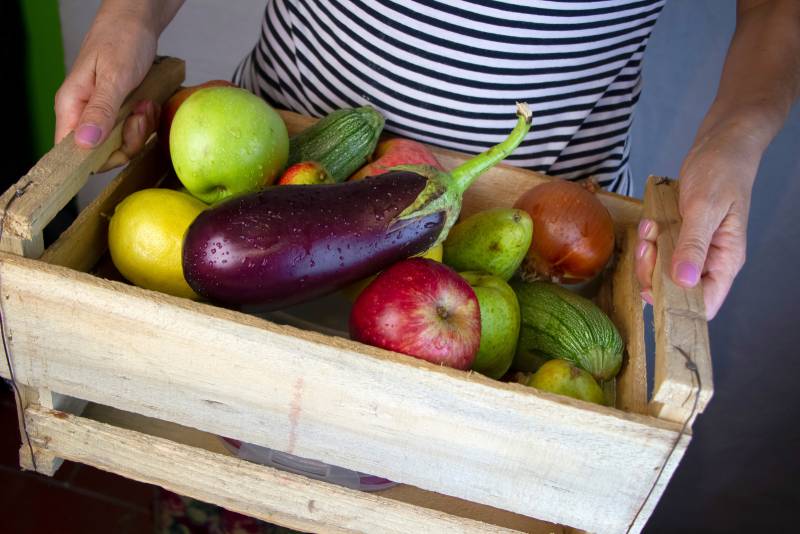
(295, 408)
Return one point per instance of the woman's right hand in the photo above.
(114, 58)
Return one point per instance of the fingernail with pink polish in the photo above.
(645, 225)
(687, 273)
(647, 296)
(88, 134)
(641, 249)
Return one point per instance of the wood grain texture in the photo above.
(61, 173)
(331, 399)
(626, 313)
(402, 492)
(86, 240)
(667, 469)
(679, 316)
(262, 492)
(30, 247)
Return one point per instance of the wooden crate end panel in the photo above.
(679, 313)
(648, 505)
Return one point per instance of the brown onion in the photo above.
(573, 233)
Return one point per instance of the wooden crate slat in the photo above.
(331, 399)
(679, 316)
(258, 491)
(403, 493)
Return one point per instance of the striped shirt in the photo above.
(448, 72)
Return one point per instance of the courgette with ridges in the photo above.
(557, 323)
(341, 141)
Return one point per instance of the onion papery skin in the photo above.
(573, 233)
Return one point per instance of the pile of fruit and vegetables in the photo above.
(267, 221)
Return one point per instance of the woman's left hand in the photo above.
(716, 181)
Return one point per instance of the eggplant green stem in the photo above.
(466, 173)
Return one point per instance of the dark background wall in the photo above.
(741, 471)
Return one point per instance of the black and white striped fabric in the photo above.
(448, 72)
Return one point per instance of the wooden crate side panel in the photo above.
(331, 399)
(262, 492)
(402, 492)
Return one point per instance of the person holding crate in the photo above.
(446, 73)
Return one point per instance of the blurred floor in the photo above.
(78, 499)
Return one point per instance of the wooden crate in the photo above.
(165, 376)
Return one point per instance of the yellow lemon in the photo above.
(353, 290)
(145, 237)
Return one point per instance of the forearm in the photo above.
(153, 14)
(761, 77)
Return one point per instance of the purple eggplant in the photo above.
(292, 243)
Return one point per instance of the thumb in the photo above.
(99, 115)
(690, 253)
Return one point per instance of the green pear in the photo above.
(499, 323)
(564, 378)
(494, 241)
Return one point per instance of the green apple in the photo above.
(225, 141)
(500, 322)
(494, 241)
(565, 378)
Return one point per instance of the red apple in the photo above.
(397, 151)
(171, 106)
(305, 173)
(422, 308)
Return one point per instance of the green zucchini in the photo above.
(557, 323)
(341, 141)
